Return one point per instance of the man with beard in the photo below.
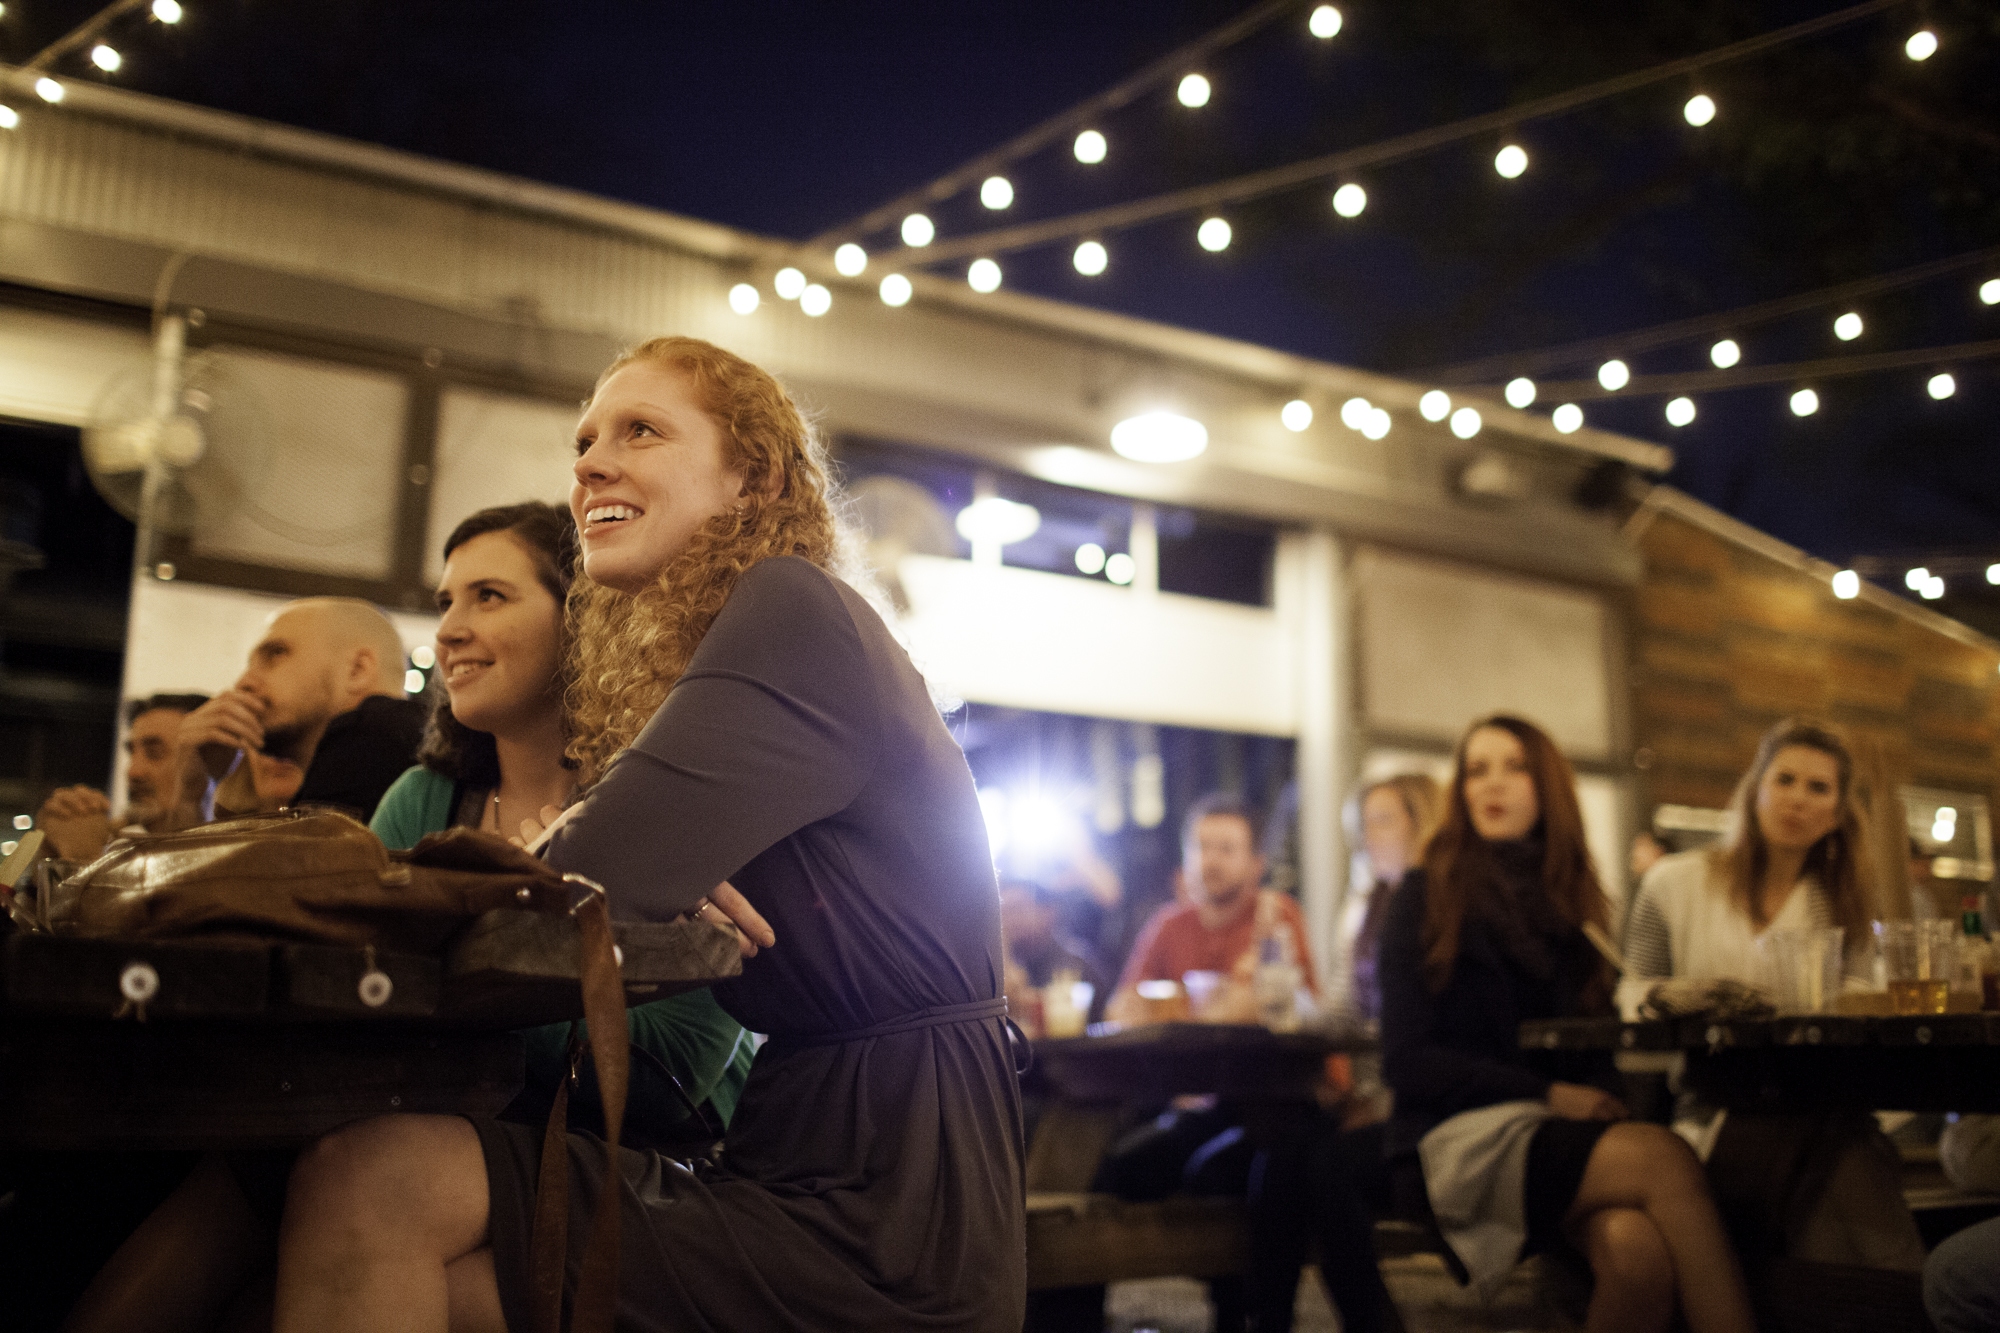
(78, 819)
(318, 718)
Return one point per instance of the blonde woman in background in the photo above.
(1797, 856)
(1390, 819)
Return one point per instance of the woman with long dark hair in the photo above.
(1516, 1152)
(739, 714)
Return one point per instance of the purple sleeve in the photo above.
(772, 727)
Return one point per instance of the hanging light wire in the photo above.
(1700, 381)
(1272, 180)
(83, 36)
(1168, 68)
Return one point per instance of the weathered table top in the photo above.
(246, 1045)
(1935, 1062)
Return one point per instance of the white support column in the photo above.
(1312, 595)
(1144, 545)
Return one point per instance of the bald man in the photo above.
(318, 717)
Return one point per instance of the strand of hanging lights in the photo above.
(90, 36)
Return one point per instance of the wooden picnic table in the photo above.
(1811, 1062)
(242, 1045)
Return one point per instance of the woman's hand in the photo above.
(535, 833)
(1580, 1101)
(724, 906)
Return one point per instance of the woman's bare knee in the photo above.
(1634, 1165)
(1625, 1247)
(392, 1179)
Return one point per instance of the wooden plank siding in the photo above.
(1727, 641)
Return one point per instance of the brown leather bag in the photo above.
(320, 877)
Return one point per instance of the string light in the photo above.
(983, 276)
(1923, 44)
(1848, 327)
(1847, 585)
(1614, 375)
(1213, 234)
(9, 117)
(1435, 405)
(788, 283)
(1989, 291)
(1942, 386)
(1993, 573)
(996, 192)
(1376, 424)
(1916, 578)
(895, 290)
(48, 90)
(815, 300)
(1193, 92)
(1324, 23)
(1804, 403)
(1120, 568)
(105, 58)
(850, 260)
(1700, 109)
(1933, 588)
(1297, 415)
(1349, 200)
(1091, 258)
(1511, 161)
(1354, 412)
(1725, 354)
(1465, 423)
(167, 11)
(917, 231)
(1090, 147)
(1520, 392)
(1089, 558)
(1680, 411)
(743, 298)
(1568, 418)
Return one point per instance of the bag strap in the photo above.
(595, 1307)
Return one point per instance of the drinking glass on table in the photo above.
(1803, 967)
(1920, 958)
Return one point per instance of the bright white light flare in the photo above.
(167, 11)
(1377, 423)
(743, 298)
(48, 89)
(1213, 234)
(1847, 585)
(1511, 161)
(1922, 45)
(1324, 23)
(1520, 391)
(815, 300)
(1848, 327)
(1680, 411)
(9, 117)
(1942, 386)
(1568, 418)
(850, 260)
(1933, 588)
(998, 520)
(895, 290)
(1989, 291)
(106, 58)
(1091, 258)
(1435, 405)
(788, 283)
(1804, 403)
(1297, 415)
(917, 231)
(1089, 558)
(1614, 375)
(1700, 109)
(996, 192)
(1159, 437)
(1349, 200)
(1916, 578)
(1120, 568)
(1090, 147)
(1725, 354)
(1193, 92)
(1355, 411)
(1465, 423)
(983, 276)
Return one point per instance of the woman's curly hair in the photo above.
(627, 650)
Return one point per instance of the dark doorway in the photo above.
(65, 584)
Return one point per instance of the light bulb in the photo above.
(1942, 386)
(1568, 418)
(1349, 200)
(743, 298)
(918, 231)
(788, 283)
(1090, 258)
(815, 300)
(850, 260)
(1193, 92)
(1465, 423)
(1847, 585)
(1520, 391)
(167, 11)
(1120, 567)
(1993, 573)
(1804, 403)
(1377, 424)
(1989, 291)
(9, 117)
(1159, 437)
(1700, 109)
(1848, 327)
(983, 276)
(1297, 415)
(1090, 147)
(1213, 234)
(1354, 412)
(895, 290)
(1914, 579)
(1933, 589)
(1089, 558)
(1511, 161)
(1435, 405)
(1614, 375)
(1324, 23)
(1922, 45)
(1680, 411)
(105, 58)
(1725, 354)
(48, 89)
(996, 192)
(423, 657)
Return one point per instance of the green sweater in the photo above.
(707, 1050)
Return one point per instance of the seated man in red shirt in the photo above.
(1197, 1146)
(1221, 926)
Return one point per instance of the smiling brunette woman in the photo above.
(1519, 1152)
(739, 714)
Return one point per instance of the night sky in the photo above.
(1832, 159)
